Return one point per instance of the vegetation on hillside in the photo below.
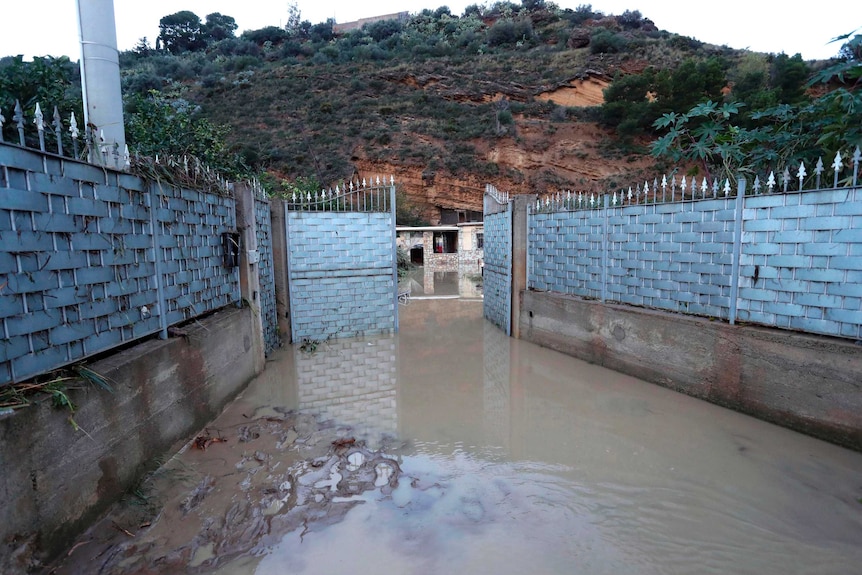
(436, 92)
(775, 124)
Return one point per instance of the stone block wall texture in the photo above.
(470, 258)
(93, 258)
(497, 280)
(800, 264)
(341, 274)
(440, 262)
(352, 381)
(268, 306)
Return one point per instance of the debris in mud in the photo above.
(123, 530)
(247, 433)
(197, 495)
(203, 441)
(309, 345)
(302, 475)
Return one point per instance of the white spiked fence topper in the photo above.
(365, 195)
(673, 189)
(56, 133)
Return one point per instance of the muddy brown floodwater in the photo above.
(451, 448)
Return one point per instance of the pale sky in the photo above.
(48, 27)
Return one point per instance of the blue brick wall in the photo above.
(800, 265)
(188, 228)
(678, 259)
(565, 252)
(341, 274)
(497, 280)
(83, 250)
(263, 227)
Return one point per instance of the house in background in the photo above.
(452, 255)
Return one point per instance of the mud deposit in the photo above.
(451, 449)
(236, 489)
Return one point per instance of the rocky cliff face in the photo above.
(540, 157)
(443, 128)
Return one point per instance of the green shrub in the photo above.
(380, 31)
(242, 63)
(603, 41)
(141, 83)
(559, 114)
(234, 47)
(509, 32)
(630, 19)
(581, 14)
(273, 34)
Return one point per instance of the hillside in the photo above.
(432, 124)
(519, 114)
(529, 97)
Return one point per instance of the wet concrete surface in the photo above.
(450, 448)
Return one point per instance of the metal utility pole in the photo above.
(100, 80)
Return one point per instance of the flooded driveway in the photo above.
(453, 449)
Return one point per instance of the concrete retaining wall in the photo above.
(56, 481)
(805, 382)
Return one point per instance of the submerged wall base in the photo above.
(55, 480)
(809, 383)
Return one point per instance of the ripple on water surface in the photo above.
(450, 448)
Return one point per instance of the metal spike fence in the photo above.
(498, 196)
(93, 257)
(372, 195)
(65, 138)
(56, 135)
(844, 171)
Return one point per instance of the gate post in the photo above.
(279, 267)
(393, 214)
(737, 250)
(520, 231)
(249, 279)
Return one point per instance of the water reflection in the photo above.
(551, 464)
(351, 381)
(513, 459)
(425, 283)
(496, 389)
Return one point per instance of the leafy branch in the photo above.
(705, 135)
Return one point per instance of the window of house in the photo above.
(480, 241)
(445, 242)
(448, 217)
